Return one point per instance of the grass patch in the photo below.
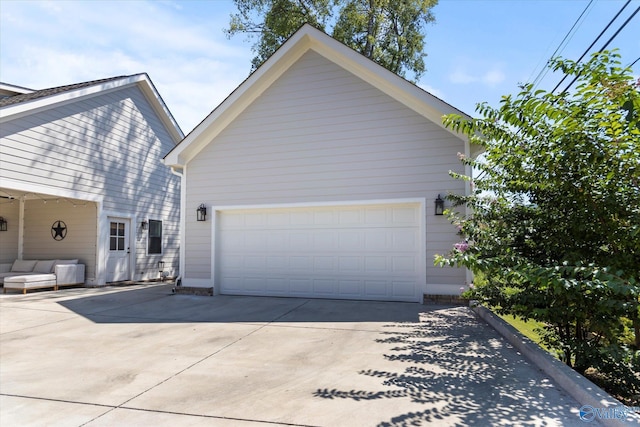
(526, 328)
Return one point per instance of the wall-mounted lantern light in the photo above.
(3, 224)
(201, 213)
(439, 206)
(144, 224)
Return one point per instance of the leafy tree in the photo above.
(387, 31)
(554, 222)
(278, 20)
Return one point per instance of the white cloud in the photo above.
(193, 66)
(493, 77)
(460, 76)
(432, 90)
(477, 72)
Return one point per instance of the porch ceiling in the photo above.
(9, 195)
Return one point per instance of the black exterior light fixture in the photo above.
(439, 206)
(201, 213)
(3, 224)
(144, 224)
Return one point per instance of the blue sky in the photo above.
(478, 50)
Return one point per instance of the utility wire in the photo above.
(606, 44)
(594, 42)
(564, 41)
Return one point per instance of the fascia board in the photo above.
(15, 89)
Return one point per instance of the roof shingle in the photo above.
(17, 99)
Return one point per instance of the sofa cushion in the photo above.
(44, 266)
(65, 262)
(30, 278)
(23, 266)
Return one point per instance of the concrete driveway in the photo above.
(141, 356)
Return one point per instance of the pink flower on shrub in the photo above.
(461, 246)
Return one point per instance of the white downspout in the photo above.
(21, 227)
(181, 262)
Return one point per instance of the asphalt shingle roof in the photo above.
(17, 99)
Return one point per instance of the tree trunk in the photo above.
(371, 36)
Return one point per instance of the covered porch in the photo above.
(47, 223)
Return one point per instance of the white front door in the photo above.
(118, 261)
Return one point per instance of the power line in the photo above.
(624, 24)
(563, 43)
(594, 42)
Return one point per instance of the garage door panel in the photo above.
(399, 289)
(354, 252)
(403, 264)
(350, 240)
(350, 288)
(375, 288)
(325, 241)
(324, 287)
(278, 286)
(404, 216)
(324, 264)
(303, 263)
(375, 264)
(276, 263)
(301, 287)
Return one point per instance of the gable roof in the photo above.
(30, 102)
(305, 39)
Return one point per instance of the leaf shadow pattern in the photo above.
(458, 371)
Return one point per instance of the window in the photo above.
(155, 237)
(116, 236)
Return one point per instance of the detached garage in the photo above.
(318, 176)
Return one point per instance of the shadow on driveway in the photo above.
(464, 374)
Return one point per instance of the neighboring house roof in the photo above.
(305, 39)
(30, 102)
(7, 89)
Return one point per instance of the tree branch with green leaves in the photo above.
(553, 219)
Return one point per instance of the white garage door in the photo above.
(370, 252)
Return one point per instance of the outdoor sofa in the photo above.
(33, 274)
